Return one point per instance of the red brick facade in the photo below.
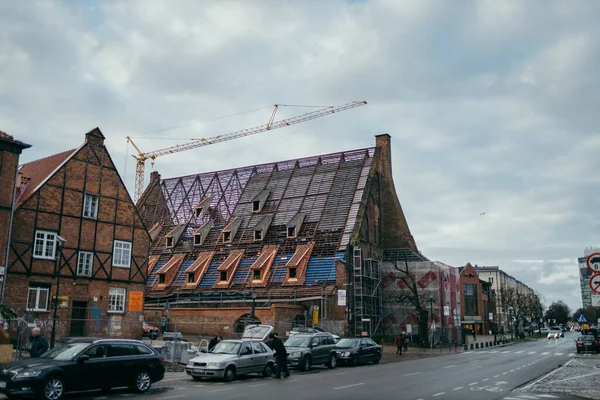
(479, 321)
(55, 206)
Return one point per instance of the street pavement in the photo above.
(492, 373)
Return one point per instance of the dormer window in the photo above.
(201, 208)
(191, 278)
(258, 202)
(198, 212)
(169, 242)
(227, 237)
(162, 278)
(256, 206)
(292, 273)
(257, 235)
(256, 275)
(223, 275)
(291, 232)
(197, 240)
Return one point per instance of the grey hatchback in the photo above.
(311, 349)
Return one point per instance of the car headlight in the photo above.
(346, 354)
(213, 365)
(295, 355)
(29, 374)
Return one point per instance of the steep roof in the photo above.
(38, 171)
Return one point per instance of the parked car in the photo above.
(231, 358)
(358, 350)
(84, 365)
(553, 335)
(150, 331)
(307, 349)
(307, 329)
(556, 329)
(588, 343)
(544, 331)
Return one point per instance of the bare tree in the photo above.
(411, 296)
(516, 304)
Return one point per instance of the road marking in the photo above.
(512, 370)
(493, 352)
(170, 397)
(259, 384)
(221, 390)
(547, 396)
(199, 385)
(458, 388)
(525, 388)
(532, 352)
(558, 354)
(496, 376)
(504, 373)
(507, 351)
(545, 353)
(348, 386)
(414, 373)
(571, 354)
(527, 397)
(486, 379)
(474, 361)
(449, 366)
(473, 383)
(438, 394)
(519, 352)
(342, 373)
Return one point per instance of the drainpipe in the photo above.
(10, 226)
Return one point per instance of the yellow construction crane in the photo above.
(271, 125)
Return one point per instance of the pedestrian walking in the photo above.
(474, 334)
(405, 342)
(399, 342)
(39, 343)
(280, 355)
(214, 342)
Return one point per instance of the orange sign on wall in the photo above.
(136, 301)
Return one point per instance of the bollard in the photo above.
(476, 345)
(471, 346)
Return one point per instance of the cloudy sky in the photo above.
(492, 105)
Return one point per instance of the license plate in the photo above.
(2, 384)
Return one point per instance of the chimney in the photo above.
(95, 137)
(154, 177)
(384, 144)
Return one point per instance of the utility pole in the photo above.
(431, 313)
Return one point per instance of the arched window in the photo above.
(299, 320)
(245, 320)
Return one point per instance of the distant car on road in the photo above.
(544, 331)
(84, 365)
(358, 350)
(150, 331)
(588, 343)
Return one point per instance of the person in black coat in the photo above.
(39, 344)
(280, 354)
(214, 342)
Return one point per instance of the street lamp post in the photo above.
(431, 313)
(253, 310)
(60, 242)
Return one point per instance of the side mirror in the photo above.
(83, 359)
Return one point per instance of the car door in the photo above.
(91, 373)
(122, 364)
(246, 360)
(319, 350)
(260, 357)
(363, 350)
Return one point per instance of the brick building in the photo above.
(475, 301)
(77, 196)
(10, 150)
(291, 237)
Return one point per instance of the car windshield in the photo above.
(298, 341)
(227, 348)
(67, 352)
(348, 343)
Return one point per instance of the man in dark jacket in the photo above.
(214, 342)
(280, 355)
(39, 344)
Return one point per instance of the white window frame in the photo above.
(46, 245)
(113, 305)
(90, 206)
(85, 263)
(37, 292)
(118, 254)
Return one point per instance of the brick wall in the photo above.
(470, 276)
(58, 207)
(8, 168)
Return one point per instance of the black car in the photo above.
(84, 365)
(588, 343)
(358, 350)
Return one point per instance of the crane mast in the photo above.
(195, 143)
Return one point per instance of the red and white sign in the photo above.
(593, 262)
(595, 283)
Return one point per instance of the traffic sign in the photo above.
(595, 283)
(593, 262)
(582, 319)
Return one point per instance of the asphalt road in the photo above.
(481, 374)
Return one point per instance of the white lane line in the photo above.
(496, 376)
(473, 383)
(504, 373)
(527, 397)
(571, 354)
(532, 352)
(458, 388)
(494, 352)
(486, 379)
(558, 354)
(259, 384)
(545, 353)
(170, 397)
(547, 396)
(519, 352)
(199, 385)
(342, 373)
(438, 394)
(413, 373)
(512, 370)
(474, 361)
(449, 366)
(348, 386)
(221, 390)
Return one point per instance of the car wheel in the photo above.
(305, 364)
(377, 358)
(355, 360)
(229, 374)
(267, 370)
(142, 382)
(332, 361)
(53, 388)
